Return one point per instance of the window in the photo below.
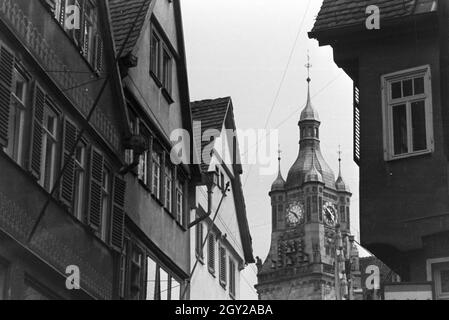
(309, 209)
(151, 279)
(168, 188)
(166, 70)
(48, 152)
(83, 32)
(342, 214)
(106, 199)
(136, 273)
(89, 26)
(17, 117)
(211, 254)
(161, 63)
(155, 51)
(79, 183)
(199, 241)
(3, 271)
(180, 201)
(222, 182)
(134, 128)
(156, 174)
(348, 215)
(161, 285)
(222, 262)
(407, 113)
(232, 281)
(144, 161)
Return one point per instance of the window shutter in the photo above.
(36, 139)
(211, 253)
(67, 184)
(222, 265)
(357, 125)
(62, 15)
(118, 214)
(96, 186)
(98, 53)
(6, 75)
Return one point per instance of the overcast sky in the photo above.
(240, 48)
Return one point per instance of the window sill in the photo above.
(159, 84)
(212, 272)
(167, 96)
(145, 186)
(223, 285)
(408, 155)
(232, 296)
(155, 198)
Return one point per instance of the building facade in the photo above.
(401, 84)
(54, 220)
(221, 245)
(155, 261)
(306, 210)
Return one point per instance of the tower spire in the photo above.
(309, 113)
(308, 66)
(279, 183)
(279, 161)
(339, 160)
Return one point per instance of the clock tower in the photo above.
(309, 210)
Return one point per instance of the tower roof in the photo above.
(313, 175)
(340, 183)
(309, 113)
(279, 183)
(310, 164)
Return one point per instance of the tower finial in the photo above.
(339, 159)
(308, 66)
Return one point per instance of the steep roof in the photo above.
(346, 13)
(212, 115)
(123, 15)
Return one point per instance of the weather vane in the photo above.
(308, 66)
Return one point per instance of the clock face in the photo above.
(295, 214)
(330, 214)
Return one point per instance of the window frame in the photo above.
(158, 54)
(20, 106)
(54, 138)
(387, 111)
(79, 194)
(106, 195)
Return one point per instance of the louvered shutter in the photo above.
(62, 15)
(67, 184)
(222, 265)
(96, 189)
(118, 214)
(6, 75)
(211, 253)
(37, 131)
(98, 53)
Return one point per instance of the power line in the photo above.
(283, 77)
(288, 118)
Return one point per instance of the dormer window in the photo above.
(407, 111)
